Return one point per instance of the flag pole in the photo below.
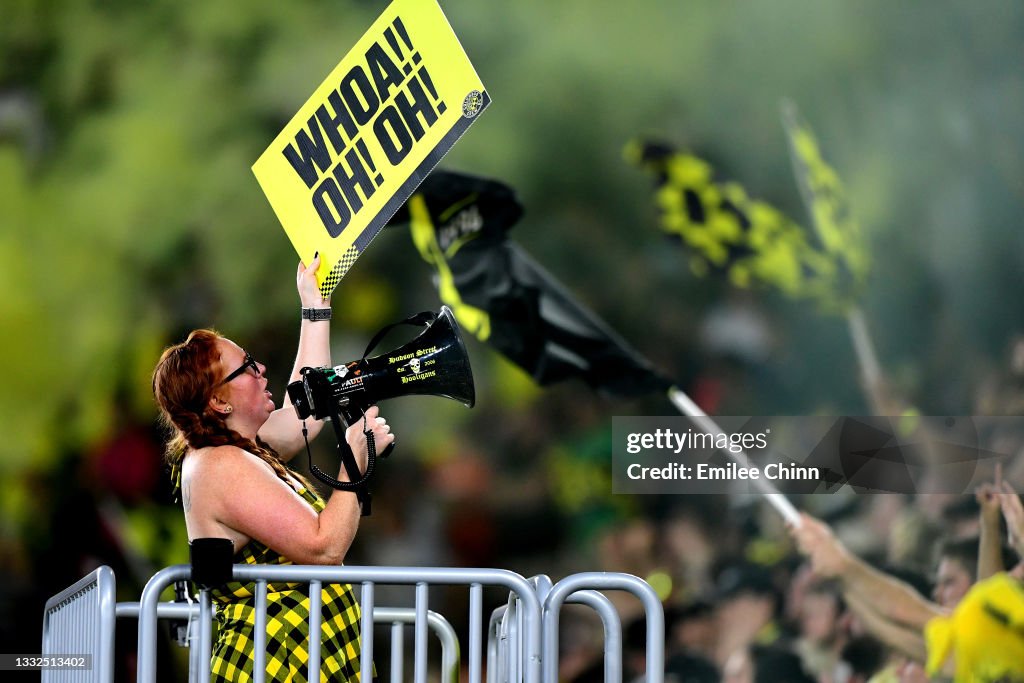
(870, 368)
(685, 405)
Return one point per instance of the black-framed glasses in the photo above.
(249, 362)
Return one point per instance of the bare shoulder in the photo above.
(223, 461)
(222, 469)
(209, 478)
(225, 488)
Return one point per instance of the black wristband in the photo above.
(315, 314)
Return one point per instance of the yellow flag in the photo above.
(825, 197)
(369, 134)
(726, 230)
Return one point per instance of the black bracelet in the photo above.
(315, 314)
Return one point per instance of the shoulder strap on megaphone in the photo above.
(422, 319)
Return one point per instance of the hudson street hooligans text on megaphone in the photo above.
(435, 363)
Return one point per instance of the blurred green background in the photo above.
(129, 216)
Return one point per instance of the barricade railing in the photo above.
(80, 621)
(495, 650)
(521, 635)
(612, 630)
(368, 577)
(571, 586)
(191, 614)
(397, 617)
(503, 646)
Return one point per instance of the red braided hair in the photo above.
(183, 383)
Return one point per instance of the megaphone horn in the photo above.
(435, 363)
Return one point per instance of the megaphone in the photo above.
(435, 363)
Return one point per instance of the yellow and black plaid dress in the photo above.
(287, 624)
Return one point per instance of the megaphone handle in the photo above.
(358, 483)
(359, 480)
(352, 414)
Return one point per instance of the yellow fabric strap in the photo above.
(472, 319)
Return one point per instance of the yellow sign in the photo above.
(372, 131)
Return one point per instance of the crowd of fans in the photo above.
(869, 587)
(831, 602)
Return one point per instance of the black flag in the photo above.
(459, 224)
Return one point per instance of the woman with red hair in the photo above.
(227, 454)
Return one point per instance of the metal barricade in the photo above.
(570, 588)
(509, 651)
(367, 577)
(397, 617)
(80, 621)
(184, 611)
(612, 631)
(495, 649)
(521, 636)
(503, 646)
